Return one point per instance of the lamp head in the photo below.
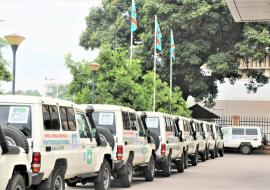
(14, 39)
(94, 67)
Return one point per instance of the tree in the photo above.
(26, 92)
(32, 93)
(122, 83)
(205, 33)
(4, 73)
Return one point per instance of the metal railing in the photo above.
(262, 122)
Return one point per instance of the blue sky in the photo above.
(52, 28)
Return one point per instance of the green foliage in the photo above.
(255, 43)
(204, 31)
(32, 93)
(122, 83)
(26, 92)
(4, 73)
(80, 83)
(163, 100)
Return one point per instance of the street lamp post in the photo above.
(14, 40)
(94, 67)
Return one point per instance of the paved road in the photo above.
(232, 172)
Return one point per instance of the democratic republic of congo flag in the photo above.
(158, 37)
(172, 47)
(133, 17)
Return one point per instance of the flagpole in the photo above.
(131, 46)
(155, 65)
(131, 35)
(171, 72)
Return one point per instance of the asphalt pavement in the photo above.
(232, 172)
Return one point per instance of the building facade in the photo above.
(250, 10)
(242, 108)
(256, 65)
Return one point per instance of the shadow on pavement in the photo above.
(116, 183)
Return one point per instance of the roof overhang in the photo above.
(199, 112)
(250, 10)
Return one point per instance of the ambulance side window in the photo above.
(50, 117)
(126, 121)
(68, 119)
(133, 121)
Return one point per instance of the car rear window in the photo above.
(251, 132)
(236, 131)
(106, 120)
(16, 116)
(153, 124)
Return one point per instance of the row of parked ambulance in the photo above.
(47, 144)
